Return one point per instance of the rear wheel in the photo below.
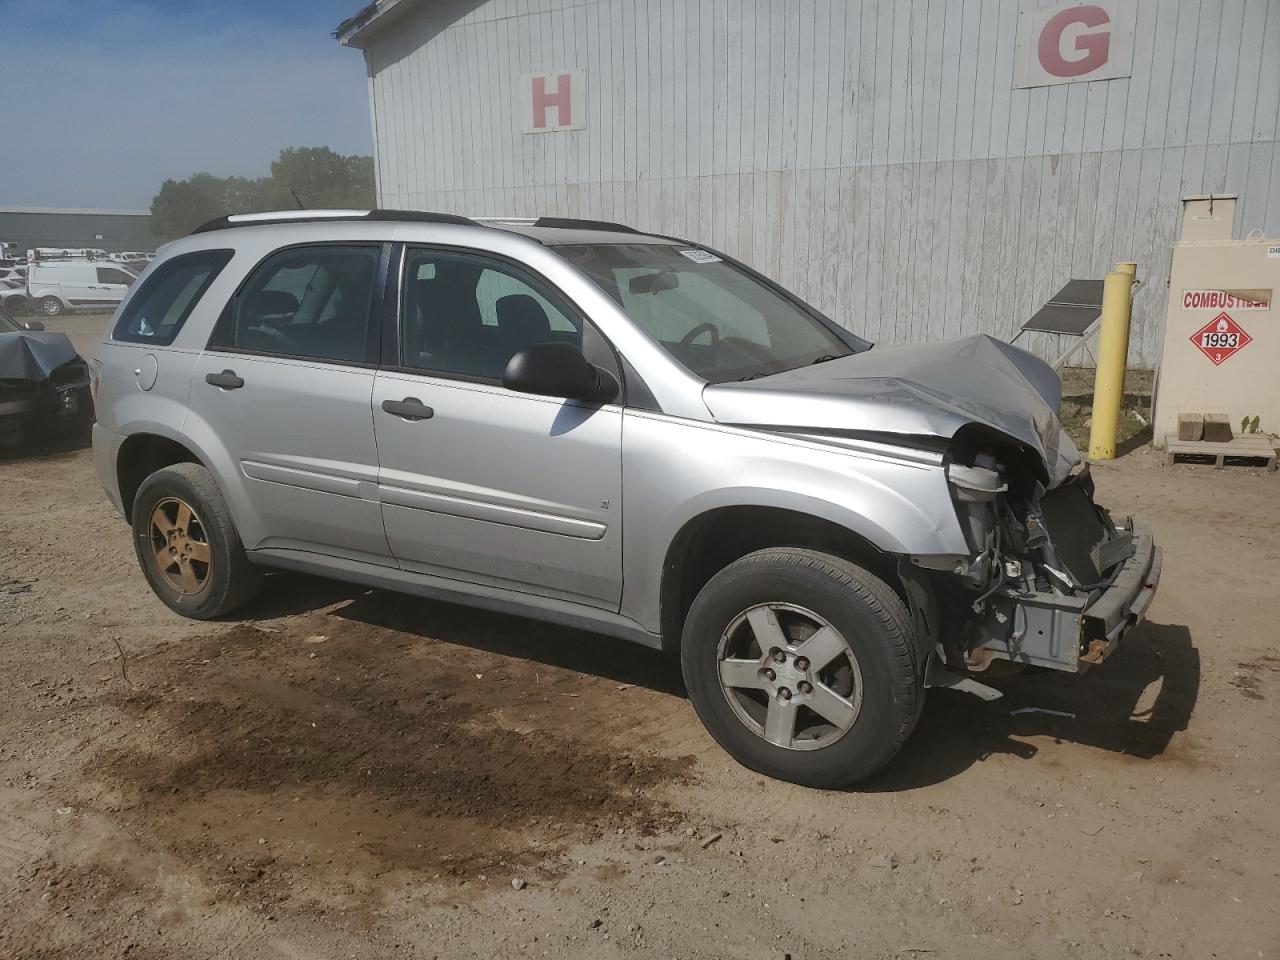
(51, 306)
(803, 666)
(187, 545)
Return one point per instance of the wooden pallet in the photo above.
(1251, 447)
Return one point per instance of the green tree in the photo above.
(317, 176)
(323, 179)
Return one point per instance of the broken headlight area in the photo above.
(29, 406)
(1042, 563)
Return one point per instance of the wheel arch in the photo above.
(142, 454)
(714, 538)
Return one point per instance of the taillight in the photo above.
(95, 379)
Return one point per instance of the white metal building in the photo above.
(915, 169)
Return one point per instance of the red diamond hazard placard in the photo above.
(1220, 338)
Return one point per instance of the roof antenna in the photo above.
(297, 199)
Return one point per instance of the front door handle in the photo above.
(227, 380)
(410, 408)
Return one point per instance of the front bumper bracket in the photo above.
(1074, 633)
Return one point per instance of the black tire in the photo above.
(229, 580)
(51, 306)
(876, 628)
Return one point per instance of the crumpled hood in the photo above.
(931, 389)
(33, 355)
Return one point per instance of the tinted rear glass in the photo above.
(160, 308)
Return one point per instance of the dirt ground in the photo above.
(351, 773)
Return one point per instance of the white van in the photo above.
(57, 285)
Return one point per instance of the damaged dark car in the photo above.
(44, 384)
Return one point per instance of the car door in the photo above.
(285, 384)
(75, 283)
(485, 484)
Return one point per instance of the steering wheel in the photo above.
(698, 331)
(271, 333)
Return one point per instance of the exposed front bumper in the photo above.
(1074, 633)
(1123, 604)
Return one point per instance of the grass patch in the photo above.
(1135, 407)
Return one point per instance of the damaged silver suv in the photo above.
(625, 433)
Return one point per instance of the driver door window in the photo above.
(306, 302)
(467, 315)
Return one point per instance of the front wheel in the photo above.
(187, 545)
(51, 307)
(803, 666)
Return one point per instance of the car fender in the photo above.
(41, 293)
(225, 466)
(164, 411)
(197, 436)
(676, 470)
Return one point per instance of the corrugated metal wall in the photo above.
(872, 156)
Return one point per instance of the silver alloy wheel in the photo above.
(790, 676)
(51, 306)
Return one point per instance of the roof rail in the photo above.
(322, 216)
(568, 223)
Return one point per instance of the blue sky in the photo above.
(105, 100)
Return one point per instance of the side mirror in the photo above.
(35, 326)
(558, 370)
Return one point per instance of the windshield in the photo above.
(716, 319)
(9, 325)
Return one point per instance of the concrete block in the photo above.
(1190, 426)
(1217, 428)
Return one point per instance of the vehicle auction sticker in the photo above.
(700, 256)
(1221, 338)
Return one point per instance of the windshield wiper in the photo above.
(768, 373)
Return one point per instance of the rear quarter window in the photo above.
(162, 304)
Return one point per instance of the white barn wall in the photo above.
(872, 156)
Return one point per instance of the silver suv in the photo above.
(630, 434)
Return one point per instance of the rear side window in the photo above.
(308, 302)
(161, 306)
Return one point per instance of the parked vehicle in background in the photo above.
(44, 383)
(627, 433)
(13, 294)
(131, 258)
(54, 286)
(65, 253)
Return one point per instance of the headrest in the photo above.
(521, 313)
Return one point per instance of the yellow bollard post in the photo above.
(1113, 356)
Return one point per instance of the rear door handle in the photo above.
(410, 408)
(227, 380)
